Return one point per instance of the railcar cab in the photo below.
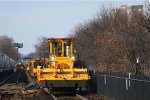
(61, 47)
(61, 51)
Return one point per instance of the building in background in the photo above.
(130, 10)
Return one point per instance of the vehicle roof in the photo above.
(56, 39)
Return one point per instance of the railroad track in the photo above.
(4, 75)
(11, 84)
(77, 96)
(73, 97)
(14, 78)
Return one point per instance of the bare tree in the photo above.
(6, 47)
(115, 40)
(42, 48)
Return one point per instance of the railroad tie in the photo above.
(80, 97)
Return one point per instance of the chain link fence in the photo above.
(121, 86)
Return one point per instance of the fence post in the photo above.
(126, 84)
(105, 79)
(129, 79)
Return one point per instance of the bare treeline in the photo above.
(42, 48)
(6, 47)
(116, 41)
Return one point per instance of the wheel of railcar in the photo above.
(80, 89)
(76, 86)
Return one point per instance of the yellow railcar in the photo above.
(33, 65)
(60, 71)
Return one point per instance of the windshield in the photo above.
(57, 48)
(38, 64)
(61, 48)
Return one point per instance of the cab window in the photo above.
(57, 48)
(66, 48)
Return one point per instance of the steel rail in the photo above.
(7, 78)
(53, 96)
(18, 77)
(77, 96)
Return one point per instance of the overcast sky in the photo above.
(25, 20)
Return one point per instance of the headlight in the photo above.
(73, 58)
(52, 58)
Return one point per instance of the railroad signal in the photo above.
(18, 45)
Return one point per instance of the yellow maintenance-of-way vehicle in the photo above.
(60, 71)
(32, 65)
